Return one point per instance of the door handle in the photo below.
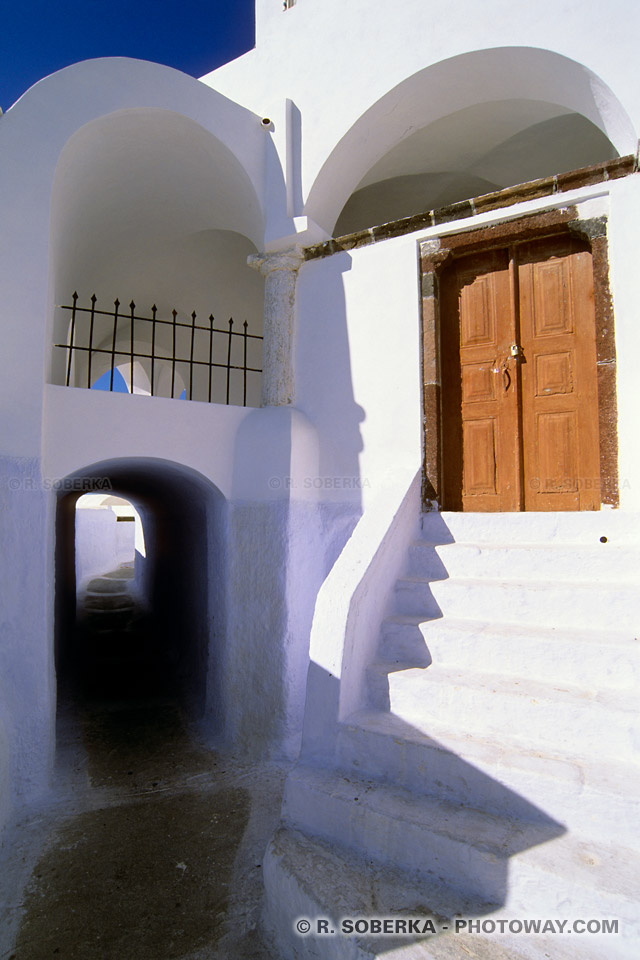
(506, 376)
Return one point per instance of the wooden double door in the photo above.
(519, 385)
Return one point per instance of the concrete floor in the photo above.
(149, 848)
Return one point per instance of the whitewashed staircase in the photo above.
(495, 765)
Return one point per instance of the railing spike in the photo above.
(132, 305)
(116, 303)
(93, 299)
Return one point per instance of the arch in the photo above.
(546, 84)
(72, 100)
(149, 207)
(92, 89)
(180, 580)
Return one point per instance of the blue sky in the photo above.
(38, 37)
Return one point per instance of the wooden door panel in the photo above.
(480, 422)
(556, 436)
(477, 309)
(480, 467)
(553, 310)
(479, 382)
(558, 376)
(554, 373)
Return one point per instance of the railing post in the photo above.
(174, 316)
(211, 322)
(280, 271)
(116, 304)
(132, 308)
(91, 326)
(73, 333)
(193, 338)
(229, 357)
(154, 311)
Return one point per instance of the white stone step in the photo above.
(306, 878)
(102, 585)
(576, 604)
(464, 848)
(108, 601)
(309, 879)
(580, 527)
(533, 866)
(541, 561)
(401, 639)
(594, 797)
(562, 717)
(592, 658)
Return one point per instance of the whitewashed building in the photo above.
(398, 502)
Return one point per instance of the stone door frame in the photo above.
(436, 253)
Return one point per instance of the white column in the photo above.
(280, 271)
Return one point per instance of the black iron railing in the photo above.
(214, 345)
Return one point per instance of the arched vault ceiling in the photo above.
(473, 151)
(144, 173)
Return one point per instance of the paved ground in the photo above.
(149, 848)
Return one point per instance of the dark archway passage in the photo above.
(162, 640)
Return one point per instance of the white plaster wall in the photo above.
(125, 540)
(5, 774)
(350, 606)
(376, 47)
(357, 365)
(96, 542)
(245, 452)
(27, 681)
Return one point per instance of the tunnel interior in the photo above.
(138, 603)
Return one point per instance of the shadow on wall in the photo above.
(296, 501)
(325, 384)
(180, 583)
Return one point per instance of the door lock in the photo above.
(516, 351)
